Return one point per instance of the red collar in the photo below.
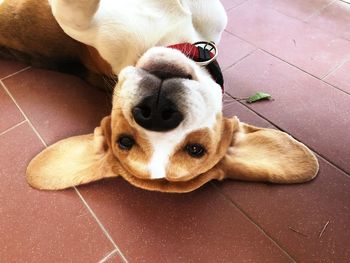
(201, 52)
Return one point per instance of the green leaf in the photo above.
(258, 96)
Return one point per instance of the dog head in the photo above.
(166, 132)
(175, 107)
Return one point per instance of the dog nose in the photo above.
(157, 113)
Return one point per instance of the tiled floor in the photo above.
(299, 51)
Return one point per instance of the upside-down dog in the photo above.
(166, 131)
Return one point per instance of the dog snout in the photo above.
(162, 104)
(157, 113)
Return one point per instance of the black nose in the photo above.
(157, 114)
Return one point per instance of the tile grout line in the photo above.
(100, 224)
(15, 73)
(25, 116)
(253, 222)
(329, 162)
(76, 190)
(317, 12)
(334, 69)
(308, 73)
(13, 127)
(233, 7)
(256, 48)
(242, 58)
(104, 260)
(301, 19)
(327, 31)
(290, 64)
(278, 127)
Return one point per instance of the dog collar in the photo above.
(202, 54)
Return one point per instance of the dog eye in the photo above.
(125, 142)
(195, 150)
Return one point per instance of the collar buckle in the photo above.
(207, 52)
(203, 53)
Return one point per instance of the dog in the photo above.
(166, 131)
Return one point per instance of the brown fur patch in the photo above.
(29, 33)
(137, 158)
(29, 26)
(184, 167)
(94, 62)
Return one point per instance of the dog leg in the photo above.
(80, 19)
(74, 14)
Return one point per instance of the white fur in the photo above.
(123, 30)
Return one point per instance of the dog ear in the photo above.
(74, 161)
(261, 154)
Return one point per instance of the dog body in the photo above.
(166, 131)
(104, 37)
(123, 31)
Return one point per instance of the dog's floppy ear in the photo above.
(260, 154)
(76, 160)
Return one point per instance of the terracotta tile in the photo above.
(232, 49)
(310, 110)
(299, 9)
(244, 114)
(114, 258)
(8, 67)
(9, 113)
(38, 226)
(304, 46)
(305, 208)
(199, 226)
(340, 77)
(227, 100)
(228, 4)
(59, 105)
(335, 19)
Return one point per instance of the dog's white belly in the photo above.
(123, 30)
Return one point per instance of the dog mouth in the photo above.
(165, 185)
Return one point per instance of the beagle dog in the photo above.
(166, 131)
